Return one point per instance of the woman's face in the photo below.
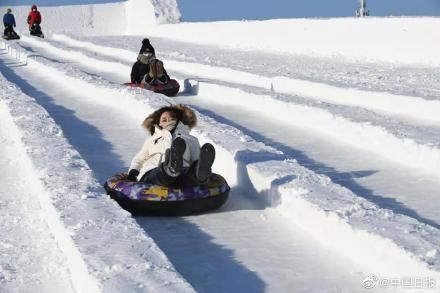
(166, 118)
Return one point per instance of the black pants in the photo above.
(9, 30)
(187, 178)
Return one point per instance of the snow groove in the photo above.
(390, 144)
(82, 281)
(360, 224)
(106, 248)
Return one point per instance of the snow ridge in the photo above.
(81, 279)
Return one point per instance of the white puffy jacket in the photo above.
(152, 152)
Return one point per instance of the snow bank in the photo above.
(30, 258)
(117, 18)
(408, 41)
(393, 144)
(353, 226)
(105, 248)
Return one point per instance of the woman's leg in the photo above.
(158, 176)
(200, 171)
(206, 159)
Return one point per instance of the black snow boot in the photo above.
(173, 163)
(206, 159)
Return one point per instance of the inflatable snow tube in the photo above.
(170, 89)
(146, 199)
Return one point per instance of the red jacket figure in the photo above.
(34, 16)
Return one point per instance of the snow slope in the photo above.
(314, 256)
(330, 169)
(116, 17)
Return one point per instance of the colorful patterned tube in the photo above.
(146, 199)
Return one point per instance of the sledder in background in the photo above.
(34, 22)
(9, 23)
(148, 72)
(141, 66)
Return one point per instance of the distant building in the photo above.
(362, 10)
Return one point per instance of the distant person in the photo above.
(34, 16)
(141, 67)
(9, 23)
(34, 21)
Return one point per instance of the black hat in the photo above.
(145, 42)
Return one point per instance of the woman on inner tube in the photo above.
(171, 156)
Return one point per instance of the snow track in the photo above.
(30, 256)
(103, 254)
(366, 233)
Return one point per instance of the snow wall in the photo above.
(116, 18)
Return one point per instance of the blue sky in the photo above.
(204, 10)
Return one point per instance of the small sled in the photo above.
(35, 30)
(170, 89)
(12, 36)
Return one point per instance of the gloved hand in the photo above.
(132, 175)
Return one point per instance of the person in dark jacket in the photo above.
(141, 66)
(9, 22)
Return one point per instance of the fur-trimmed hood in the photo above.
(182, 112)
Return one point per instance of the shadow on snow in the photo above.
(346, 179)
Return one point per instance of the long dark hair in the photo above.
(181, 112)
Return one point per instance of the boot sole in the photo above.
(206, 159)
(176, 152)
